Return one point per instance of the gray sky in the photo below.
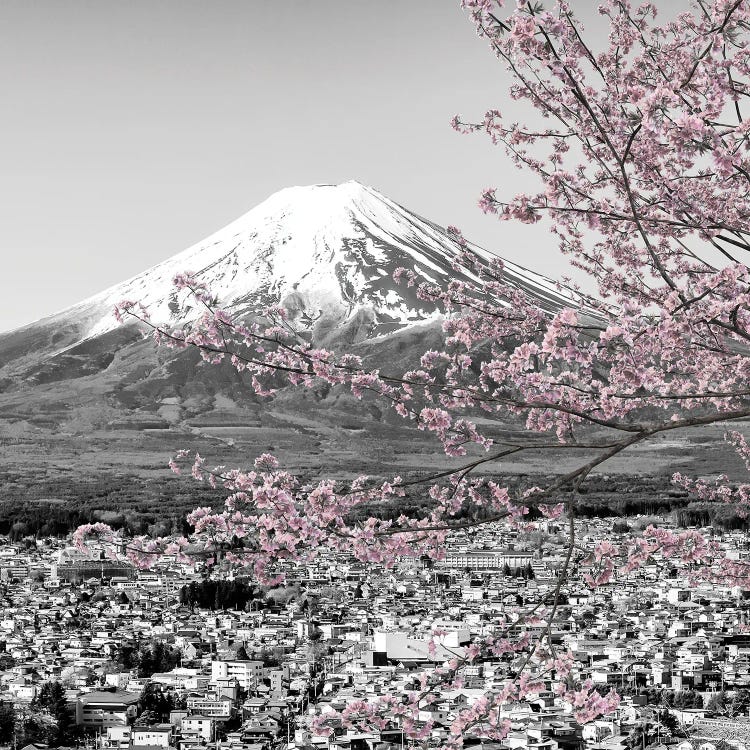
(131, 130)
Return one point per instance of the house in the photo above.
(116, 738)
(199, 726)
(159, 735)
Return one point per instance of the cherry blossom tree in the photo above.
(640, 148)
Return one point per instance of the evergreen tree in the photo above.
(157, 657)
(669, 722)
(155, 703)
(7, 722)
(643, 734)
(740, 703)
(717, 703)
(128, 656)
(52, 699)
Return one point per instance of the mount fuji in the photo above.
(83, 398)
(326, 253)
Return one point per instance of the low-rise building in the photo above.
(101, 709)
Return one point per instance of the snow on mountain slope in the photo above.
(327, 253)
(321, 251)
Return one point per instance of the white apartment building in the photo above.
(485, 559)
(247, 673)
(211, 705)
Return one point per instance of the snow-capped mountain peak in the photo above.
(327, 253)
(323, 251)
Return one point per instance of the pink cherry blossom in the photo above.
(640, 147)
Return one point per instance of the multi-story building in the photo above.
(246, 672)
(210, 705)
(486, 559)
(101, 709)
(199, 726)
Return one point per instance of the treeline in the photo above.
(729, 704)
(138, 505)
(217, 595)
(718, 515)
(623, 496)
(600, 497)
(614, 506)
(158, 506)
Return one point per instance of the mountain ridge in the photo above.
(81, 395)
(326, 253)
(259, 259)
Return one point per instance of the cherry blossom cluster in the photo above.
(642, 154)
(700, 558)
(533, 669)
